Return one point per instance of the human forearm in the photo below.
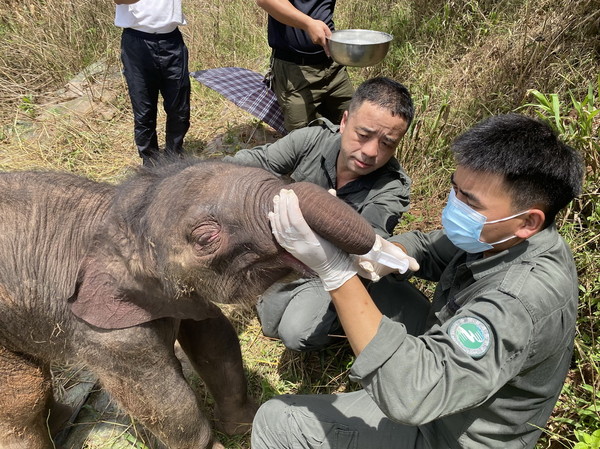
(387, 200)
(382, 218)
(283, 11)
(357, 312)
(255, 157)
(279, 157)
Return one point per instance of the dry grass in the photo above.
(46, 42)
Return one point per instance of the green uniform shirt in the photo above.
(310, 154)
(489, 370)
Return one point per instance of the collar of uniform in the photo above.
(329, 161)
(365, 182)
(524, 251)
(325, 123)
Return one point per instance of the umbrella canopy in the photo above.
(247, 89)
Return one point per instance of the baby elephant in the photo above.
(111, 275)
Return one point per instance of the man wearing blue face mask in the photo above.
(463, 226)
(489, 368)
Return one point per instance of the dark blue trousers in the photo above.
(153, 64)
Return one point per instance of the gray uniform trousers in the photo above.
(340, 421)
(153, 64)
(332, 421)
(301, 314)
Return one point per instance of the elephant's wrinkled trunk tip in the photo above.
(333, 219)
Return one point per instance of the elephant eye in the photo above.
(206, 237)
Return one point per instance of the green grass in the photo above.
(578, 121)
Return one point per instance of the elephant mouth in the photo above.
(289, 269)
(297, 266)
(247, 283)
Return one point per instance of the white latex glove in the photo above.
(384, 258)
(291, 231)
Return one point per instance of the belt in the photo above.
(301, 59)
(152, 36)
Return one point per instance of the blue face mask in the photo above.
(463, 226)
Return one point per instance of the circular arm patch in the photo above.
(471, 334)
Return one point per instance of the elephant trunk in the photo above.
(333, 219)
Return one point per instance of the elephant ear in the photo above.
(116, 301)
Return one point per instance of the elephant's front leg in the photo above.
(25, 396)
(213, 348)
(138, 367)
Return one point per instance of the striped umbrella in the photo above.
(247, 89)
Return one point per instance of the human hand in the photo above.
(384, 258)
(318, 32)
(291, 231)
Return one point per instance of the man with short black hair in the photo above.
(357, 160)
(490, 367)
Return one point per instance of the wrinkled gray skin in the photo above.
(111, 276)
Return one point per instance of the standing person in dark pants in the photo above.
(155, 60)
(307, 82)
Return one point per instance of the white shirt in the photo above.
(150, 16)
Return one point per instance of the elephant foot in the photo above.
(60, 414)
(236, 420)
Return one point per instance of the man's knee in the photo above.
(299, 313)
(269, 427)
(270, 308)
(301, 330)
(299, 335)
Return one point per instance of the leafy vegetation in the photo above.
(462, 60)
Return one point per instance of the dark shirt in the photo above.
(294, 39)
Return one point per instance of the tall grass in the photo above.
(46, 42)
(228, 33)
(578, 122)
(461, 59)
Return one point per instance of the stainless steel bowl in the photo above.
(358, 48)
